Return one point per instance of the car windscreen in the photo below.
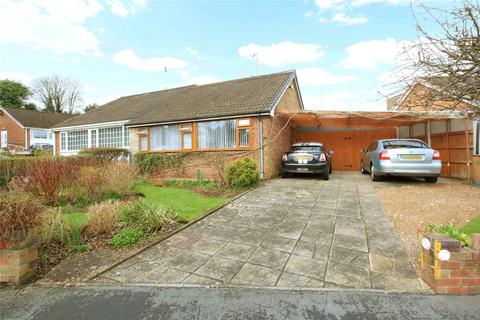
(306, 149)
(404, 144)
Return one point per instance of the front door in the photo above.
(4, 139)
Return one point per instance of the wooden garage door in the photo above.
(346, 145)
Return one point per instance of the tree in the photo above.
(448, 60)
(13, 94)
(91, 106)
(30, 106)
(57, 94)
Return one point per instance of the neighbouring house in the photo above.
(20, 128)
(200, 123)
(458, 140)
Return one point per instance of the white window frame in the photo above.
(64, 137)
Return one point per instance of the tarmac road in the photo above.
(155, 302)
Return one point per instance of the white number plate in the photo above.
(302, 161)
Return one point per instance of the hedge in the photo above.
(105, 154)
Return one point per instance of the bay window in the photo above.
(110, 137)
(222, 134)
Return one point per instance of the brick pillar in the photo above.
(459, 274)
(18, 258)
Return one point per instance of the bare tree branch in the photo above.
(57, 94)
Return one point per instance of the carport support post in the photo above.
(429, 133)
(467, 148)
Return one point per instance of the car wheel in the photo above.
(330, 169)
(373, 174)
(431, 179)
(326, 176)
(362, 170)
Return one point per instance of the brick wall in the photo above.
(460, 274)
(422, 98)
(16, 134)
(18, 259)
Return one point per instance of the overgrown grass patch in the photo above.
(472, 227)
(188, 204)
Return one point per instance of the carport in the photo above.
(347, 132)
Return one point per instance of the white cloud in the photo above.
(17, 76)
(338, 9)
(282, 53)
(202, 80)
(124, 8)
(368, 55)
(308, 13)
(129, 58)
(57, 26)
(342, 19)
(320, 77)
(194, 53)
(345, 101)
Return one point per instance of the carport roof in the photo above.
(365, 119)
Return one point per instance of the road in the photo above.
(154, 302)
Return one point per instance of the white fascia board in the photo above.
(198, 120)
(91, 126)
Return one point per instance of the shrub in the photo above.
(450, 231)
(18, 213)
(120, 177)
(51, 226)
(126, 237)
(147, 163)
(106, 154)
(11, 167)
(242, 174)
(103, 218)
(149, 218)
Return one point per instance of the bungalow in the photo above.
(20, 128)
(235, 118)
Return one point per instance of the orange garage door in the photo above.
(346, 145)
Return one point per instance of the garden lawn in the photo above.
(472, 227)
(188, 204)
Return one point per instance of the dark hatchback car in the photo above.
(308, 157)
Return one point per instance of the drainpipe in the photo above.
(260, 145)
(428, 127)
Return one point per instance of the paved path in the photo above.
(140, 302)
(294, 232)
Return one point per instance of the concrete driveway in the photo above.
(297, 232)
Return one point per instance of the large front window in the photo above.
(110, 137)
(217, 134)
(165, 138)
(77, 140)
(209, 135)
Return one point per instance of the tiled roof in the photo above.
(250, 95)
(37, 119)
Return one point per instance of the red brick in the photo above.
(464, 273)
(461, 256)
(4, 261)
(457, 290)
(470, 264)
(450, 265)
(474, 290)
(476, 241)
(447, 282)
(470, 282)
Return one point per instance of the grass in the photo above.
(188, 204)
(472, 227)
(76, 219)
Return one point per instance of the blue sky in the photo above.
(344, 51)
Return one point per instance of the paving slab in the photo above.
(297, 232)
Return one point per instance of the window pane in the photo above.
(165, 138)
(93, 138)
(63, 141)
(217, 134)
(110, 137)
(143, 143)
(126, 138)
(244, 136)
(187, 141)
(39, 134)
(77, 140)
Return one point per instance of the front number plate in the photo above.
(302, 161)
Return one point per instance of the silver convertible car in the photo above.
(401, 157)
